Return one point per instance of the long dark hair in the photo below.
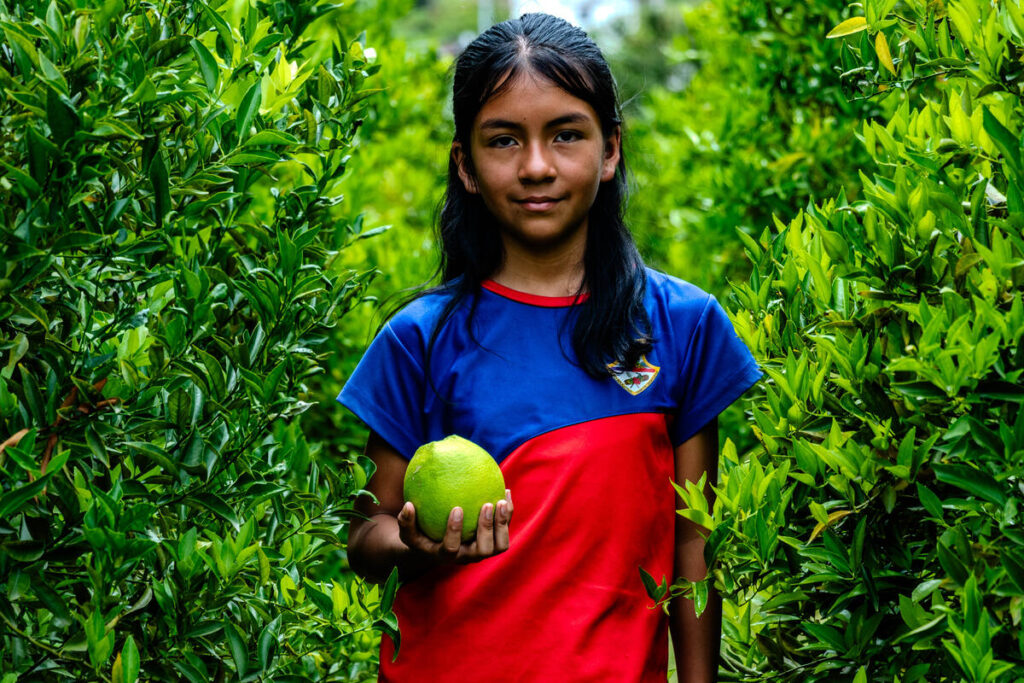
(612, 329)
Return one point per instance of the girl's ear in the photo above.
(612, 153)
(461, 161)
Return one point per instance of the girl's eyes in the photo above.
(504, 141)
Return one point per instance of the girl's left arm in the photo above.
(695, 641)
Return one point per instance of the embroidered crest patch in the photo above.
(638, 378)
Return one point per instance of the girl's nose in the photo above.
(536, 164)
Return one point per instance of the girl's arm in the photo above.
(696, 641)
(390, 538)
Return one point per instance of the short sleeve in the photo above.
(717, 368)
(386, 391)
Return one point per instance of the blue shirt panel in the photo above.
(515, 375)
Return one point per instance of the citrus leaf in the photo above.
(266, 641)
(247, 110)
(848, 27)
(129, 659)
(884, 56)
(1007, 143)
(237, 647)
(161, 188)
(207, 65)
(272, 137)
(981, 484)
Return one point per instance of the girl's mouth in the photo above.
(538, 204)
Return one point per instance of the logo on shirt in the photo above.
(638, 378)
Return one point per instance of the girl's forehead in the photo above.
(521, 90)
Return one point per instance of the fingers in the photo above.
(485, 531)
(503, 515)
(408, 532)
(492, 533)
(452, 541)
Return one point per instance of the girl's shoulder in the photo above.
(418, 317)
(674, 296)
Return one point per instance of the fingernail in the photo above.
(502, 508)
(508, 495)
(457, 514)
(488, 512)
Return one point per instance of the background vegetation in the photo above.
(185, 287)
(171, 232)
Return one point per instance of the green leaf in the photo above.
(655, 591)
(99, 641)
(30, 306)
(96, 445)
(848, 27)
(54, 602)
(266, 642)
(217, 506)
(929, 501)
(1013, 564)
(190, 672)
(390, 590)
(388, 625)
(207, 65)
(215, 374)
(883, 53)
(953, 565)
(155, 453)
(247, 110)
(924, 589)
(237, 647)
(254, 156)
(61, 117)
(146, 92)
(130, 660)
(219, 24)
(981, 484)
(26, 185)
(700, 597)
(160, 181)
(272, 137)
(1007, 143)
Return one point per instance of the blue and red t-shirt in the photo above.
(589, 463)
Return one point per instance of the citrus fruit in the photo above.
(451, 472)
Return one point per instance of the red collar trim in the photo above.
(534, 299)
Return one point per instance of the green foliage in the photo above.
(874, 532)
(392, 186)
(761, 128)
(169, 281)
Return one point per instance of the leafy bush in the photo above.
(761, 128)
(874, 532)
(168, 285)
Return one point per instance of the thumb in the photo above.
(407, 515)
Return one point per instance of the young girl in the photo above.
(592, 380)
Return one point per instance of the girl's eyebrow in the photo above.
(573, 117)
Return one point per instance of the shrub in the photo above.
(167, 288)
(874, 532)
(761, 128)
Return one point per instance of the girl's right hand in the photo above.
(491, 538)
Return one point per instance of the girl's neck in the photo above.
(558, 274)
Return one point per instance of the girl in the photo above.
(592, 380)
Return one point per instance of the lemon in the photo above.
(452, 472)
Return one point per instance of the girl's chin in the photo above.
(544, 240)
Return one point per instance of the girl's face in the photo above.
(538, 158)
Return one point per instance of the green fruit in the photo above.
(452, 472)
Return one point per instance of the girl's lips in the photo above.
(538, 204)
